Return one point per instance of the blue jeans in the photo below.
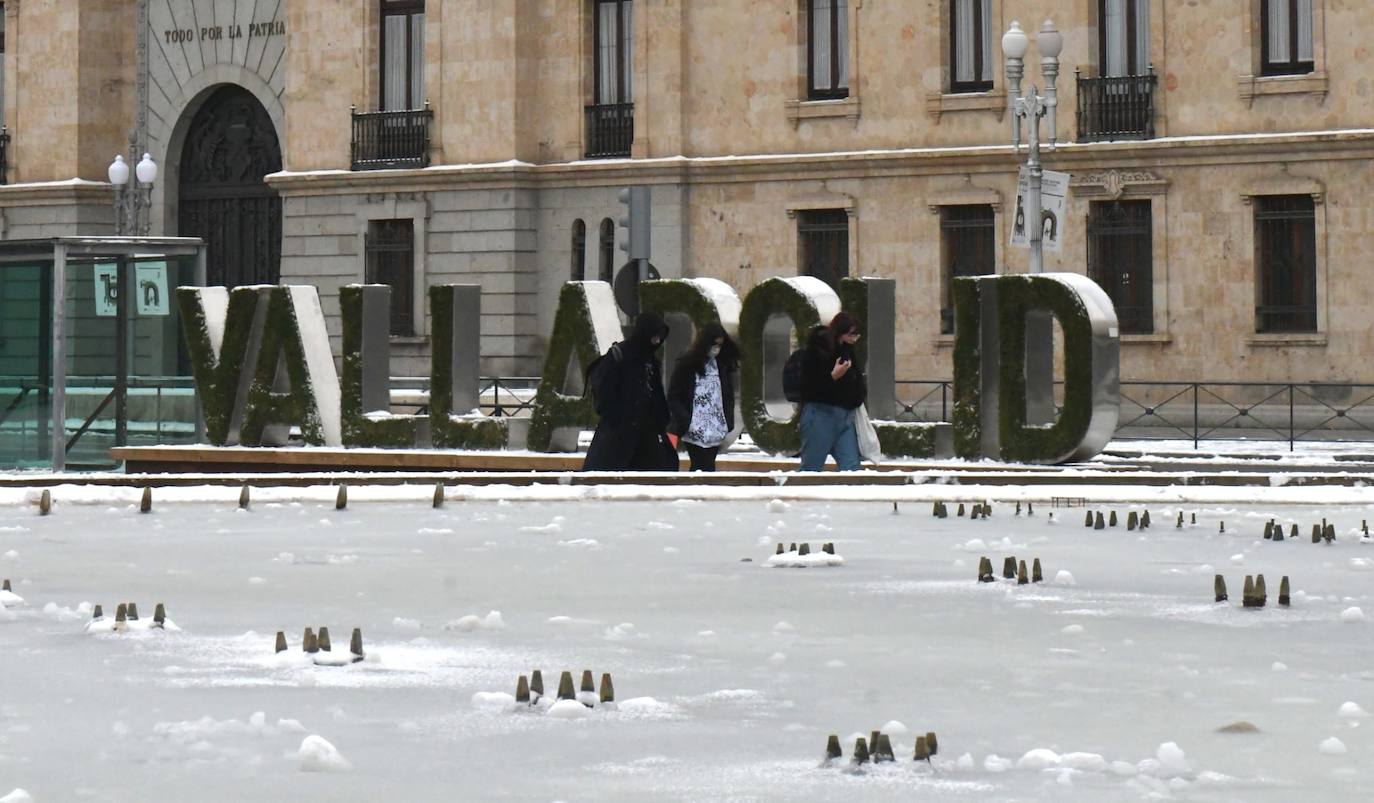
(825, 430)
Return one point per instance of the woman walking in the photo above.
(701, 395)
(833, 387)
(627, 384)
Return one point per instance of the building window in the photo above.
(1121, 260)
(827, 49)
(1286, 37)
(970, 33)
(578, 271)
(606, 269)
(1285, 264)
(610, 116)
(1124, 36)
(967, 248)
(823, 237)
(403, 55)
(390, 260)
(615, 37)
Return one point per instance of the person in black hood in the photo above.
(833, 387)
(627, 383)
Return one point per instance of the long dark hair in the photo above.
(842, 324)
(700, 351)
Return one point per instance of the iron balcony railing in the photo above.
(610, 130)
(386, 140)
(4, 154)
(1116, 107)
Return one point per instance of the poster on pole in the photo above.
(150, 288)
(1054, 190)
(106, 289)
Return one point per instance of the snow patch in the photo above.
(492, 621)
(1332, 747)
(568, 709)
(1352, 614)
(1351, 710)
(318, 755)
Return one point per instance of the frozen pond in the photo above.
(1049, 691)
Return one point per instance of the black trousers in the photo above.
(703, 457)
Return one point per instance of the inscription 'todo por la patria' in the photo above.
(216, 32)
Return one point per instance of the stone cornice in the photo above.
(1165, 151)
(56, 192)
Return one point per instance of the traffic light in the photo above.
(635, 223)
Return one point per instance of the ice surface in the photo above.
(730, 675)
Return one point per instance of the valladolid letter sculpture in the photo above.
(262, 363)
(990, 367)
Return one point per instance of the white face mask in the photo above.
(714, 352)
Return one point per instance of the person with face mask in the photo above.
(701, 396)
(627, 383)
(833, 387)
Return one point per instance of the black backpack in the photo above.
(793, 375)
(596, 371)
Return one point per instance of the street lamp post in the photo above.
(1031, 107)
(131, 200)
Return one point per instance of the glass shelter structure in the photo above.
(91, 352)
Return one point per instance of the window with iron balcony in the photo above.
(1119, 103)
(611, 114)
(397, 135)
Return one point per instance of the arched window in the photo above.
(579, 251)
(607, 272)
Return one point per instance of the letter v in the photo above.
(219, 325)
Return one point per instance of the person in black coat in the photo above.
(701, 395)
(833, 387)
(627, 383)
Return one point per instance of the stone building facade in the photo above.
(1219, 154)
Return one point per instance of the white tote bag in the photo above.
(869, 448)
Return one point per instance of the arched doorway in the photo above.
(230, 145)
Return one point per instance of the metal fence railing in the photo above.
(1290, 412)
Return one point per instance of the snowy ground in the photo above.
(1109, 689)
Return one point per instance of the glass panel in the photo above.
(1278, 30)
(91, 302)
(607, 90)
(963, 42)
(417, 61)
(394, 69)
(985, 41)
(162, 395)
(1304, 30)
(627, 50)
(1142, 37)
(842, 44)
(1114, 25)
(25, 365)
(820, 44)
